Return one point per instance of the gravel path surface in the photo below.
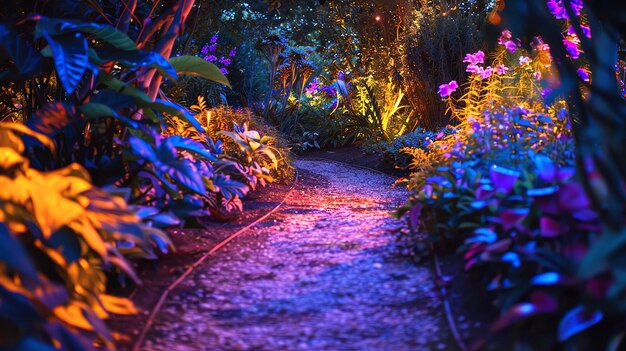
(320, 274)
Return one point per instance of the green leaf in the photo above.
(136, 58)
(196, 66)
(94, 110)
(104, 32)
(597, 258)
(142, 100)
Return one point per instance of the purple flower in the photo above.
(571, 46)
(210, 58)
(447, 89)
(475, 58)
(556, 9)
(502, 69)
(524, 60)
(486, 73)
(472, 68)
(586, 31)
(212, 47)
(232, 53)
(214, 38)
(205, 49)
(583, 74)
(511, 46)
(224, 71)
(225, 61)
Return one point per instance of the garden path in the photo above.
(322, 273)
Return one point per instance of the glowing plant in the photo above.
(59, 235)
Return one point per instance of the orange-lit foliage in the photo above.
(59, 235)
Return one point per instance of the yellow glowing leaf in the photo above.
(25, 130)
(10, 158)
(73, 315)
(9, 140)
(15, 190)
(53, 211)
(93, 239)
(117, 305)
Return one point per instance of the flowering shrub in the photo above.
(504, 192)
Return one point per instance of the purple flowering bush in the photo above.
(504, 193)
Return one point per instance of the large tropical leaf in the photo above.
(196, 66)
(192, 146)
(228, 186)
(135, 59)
(95, 110)
(25, 58)
(71, 56)
(103, 32)
(142, 100)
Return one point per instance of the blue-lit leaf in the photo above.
(550, 278)
(192, 146)
(229, 187)
(483, 235)
(26, 59)
(512, 258)
(542, 191)
(165, 219)
(13, 254)
(576, 320)
(142, 149)
(70, 56)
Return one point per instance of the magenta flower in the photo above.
(502, 69)
(537, 75)
(583, 74)
(486, 72)
(472, 68)
(447, 89)
(475, 58)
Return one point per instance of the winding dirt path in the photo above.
(320, 274)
